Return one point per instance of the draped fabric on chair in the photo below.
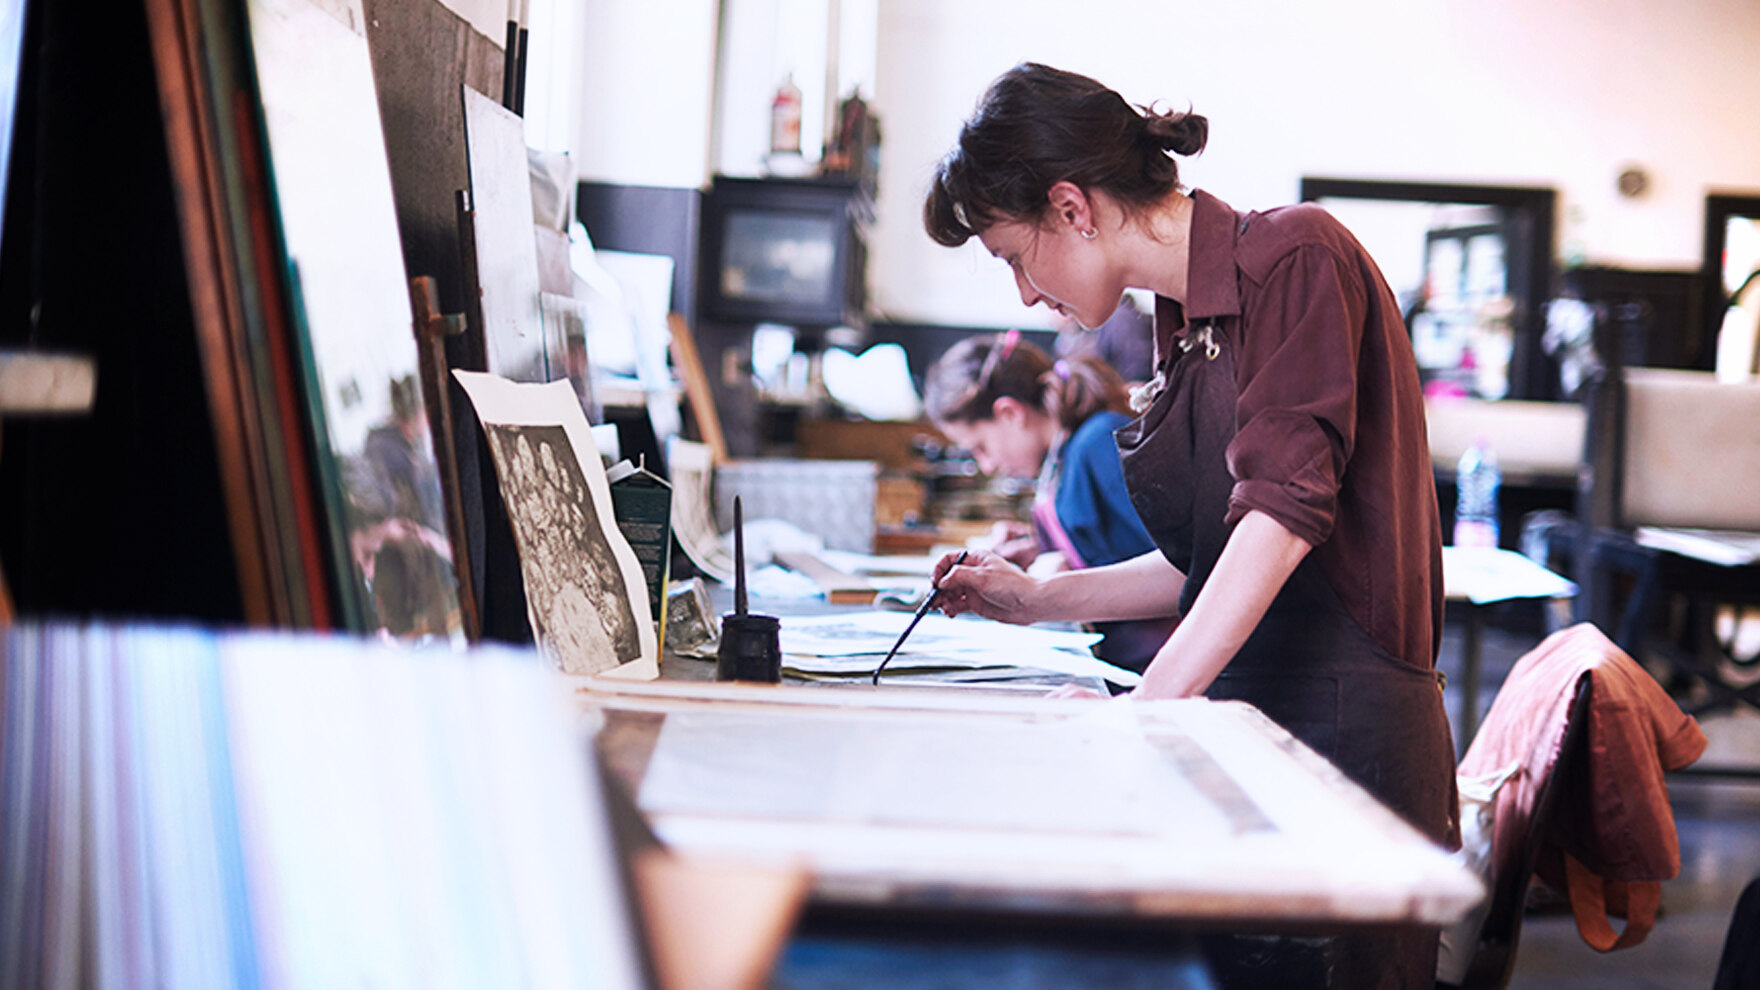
(1592, 735)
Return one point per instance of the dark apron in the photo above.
(1309, 666)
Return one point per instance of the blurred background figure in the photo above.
(1022, 414)
(397, 522)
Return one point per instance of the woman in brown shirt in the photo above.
(1279, 462)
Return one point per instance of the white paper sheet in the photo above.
(850, 562)
(646, 284)
(852, 644)
(853, 633)
(1013, 663)
(1483, 575)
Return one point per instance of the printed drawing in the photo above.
(574, 591)
(585, 595)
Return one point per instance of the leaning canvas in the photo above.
(584, 589)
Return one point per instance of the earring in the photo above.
(1089, 234)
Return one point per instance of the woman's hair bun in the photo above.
(1037, 126)
(1182, 133)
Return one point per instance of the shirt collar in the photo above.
(1212, 289)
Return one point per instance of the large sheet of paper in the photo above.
(1190, 809)
(852, 644)
(585, 594)
(917, 565)
(857, 633)
(975, 666)
(506, 249)
(645, 281)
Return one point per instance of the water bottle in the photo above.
(1476, 481)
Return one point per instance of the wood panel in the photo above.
(422, 53)
(888, 443)
(122, 511)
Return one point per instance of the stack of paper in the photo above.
(192, 810)
(853, 644)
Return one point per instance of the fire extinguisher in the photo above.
(785, 119)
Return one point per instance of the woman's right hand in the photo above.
(988, 585)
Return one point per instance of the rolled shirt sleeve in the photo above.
(1297, 411)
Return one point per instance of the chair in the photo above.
(1669, 450)
(1494, 952)
(1587, 807)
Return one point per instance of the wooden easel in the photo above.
(696, 386)
(432, 329)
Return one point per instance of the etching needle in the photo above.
(922, 610)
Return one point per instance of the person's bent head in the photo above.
(1038, 126)
(1005, 400)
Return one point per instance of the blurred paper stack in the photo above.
(181, 808)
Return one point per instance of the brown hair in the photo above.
(1038, 126)
(962, 386)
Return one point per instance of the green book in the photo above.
(642, 501)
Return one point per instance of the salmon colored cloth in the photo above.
(1611, 840)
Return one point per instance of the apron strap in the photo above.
(1045, 514)
(1590, 896)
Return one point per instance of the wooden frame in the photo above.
(273, 541)
(1531, 210)
(696, 386)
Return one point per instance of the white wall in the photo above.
(765, 42)
(646, 76)
(827, 45)
(1563, 93)
(627, 89)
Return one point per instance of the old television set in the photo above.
(787, 251)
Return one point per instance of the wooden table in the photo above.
(1480, 577)
(961, 837)
(1167, 812)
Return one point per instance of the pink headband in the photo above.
(1009, 339)
(1062, 369)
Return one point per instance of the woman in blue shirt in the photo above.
(1022, 414)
